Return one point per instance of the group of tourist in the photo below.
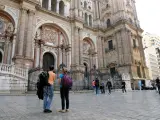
(96, 86)
(47, 90)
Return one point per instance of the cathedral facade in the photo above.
(78, 34)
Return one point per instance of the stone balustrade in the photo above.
(13, 70)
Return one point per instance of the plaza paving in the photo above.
(85, 106)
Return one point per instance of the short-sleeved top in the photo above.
(61, 76)
(52, 77)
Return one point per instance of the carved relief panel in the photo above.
(5, 25)
(50, 35)
(86, 47)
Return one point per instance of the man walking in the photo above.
(123, 87)
(158, 85)
(48, 91)
(97, 85)
(109, 85)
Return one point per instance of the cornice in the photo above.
(40, 9)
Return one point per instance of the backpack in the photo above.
(67, 81)
(43, 78)
(41, 82)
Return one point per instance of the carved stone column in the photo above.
(76, 46)
(13, 46)
(20, 42)
(6, 50)
(99, 50)
(81, 46)
(28, 52)
(49, 4)
(57, 9)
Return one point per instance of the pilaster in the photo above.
(28, 52)
(20, 42)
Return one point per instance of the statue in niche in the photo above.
(86, 47)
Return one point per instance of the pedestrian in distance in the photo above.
(109, 86)
(97, 86)
(48, 90)
(65, 85)
(102, 87)
(123, 87)
(93, 85)
(158, 85)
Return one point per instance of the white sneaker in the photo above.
(62, 111)
(67, 110)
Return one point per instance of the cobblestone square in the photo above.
(136, 105)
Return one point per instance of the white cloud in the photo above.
(148, 14)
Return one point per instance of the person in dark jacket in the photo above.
(48, 90)
(158, 85)
(102, 88)
(109, 86)
(97, 85)
(123, 87)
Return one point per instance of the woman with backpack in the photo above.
(65, 83)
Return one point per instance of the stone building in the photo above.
(79, 34)
(151, 45)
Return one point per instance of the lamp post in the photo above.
(62, 47)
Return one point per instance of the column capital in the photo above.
(24, 10)
(31, 12)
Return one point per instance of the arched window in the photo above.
(86, 18)
(54, 5)
(108, 23)
(45, 4)
(0, 57)
(61, 8)
(90, 20)
(85, 4)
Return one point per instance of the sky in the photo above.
(149, 15)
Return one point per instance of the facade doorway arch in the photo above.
(48, 60)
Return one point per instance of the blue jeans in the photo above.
(47, 97)
(97, 89)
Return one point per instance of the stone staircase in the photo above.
(13, 79)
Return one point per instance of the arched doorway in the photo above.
(53, 37)
(48, 60)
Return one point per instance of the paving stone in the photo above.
(144, 105)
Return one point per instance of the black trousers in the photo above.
(109, 89)
(124, 89)
(64, 91)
